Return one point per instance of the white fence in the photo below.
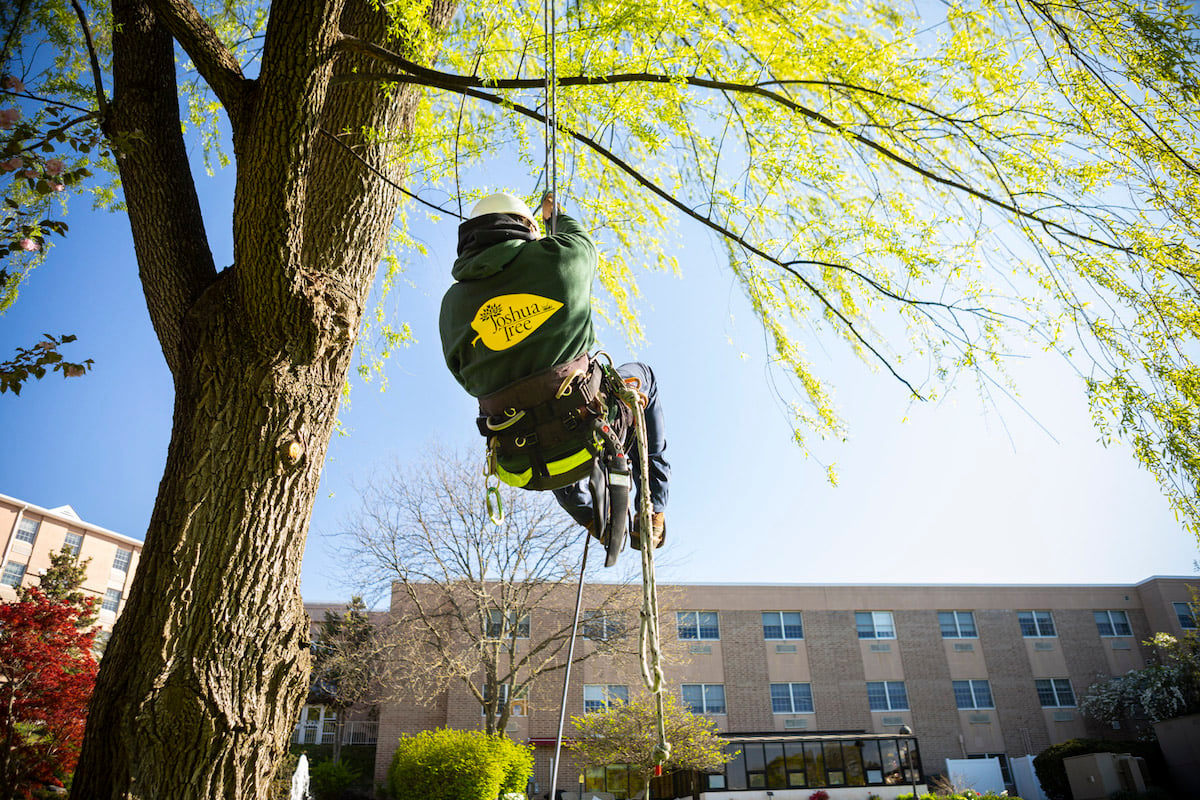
(325, 732)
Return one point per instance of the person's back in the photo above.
(520, 303)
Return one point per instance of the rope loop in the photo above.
(649, 642)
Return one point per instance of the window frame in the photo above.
(32, 533)
(608, 697)
(110, 600)
(888, 696)
(958, 627)
(117, 559)
(1055, 688)
(791, 692)
(76, 547)
(705, 689)
(875, 633)
(1112, 623)
(9, 567)
(517, 628)
(519, 706)
(698, 628)
(783, 627)
(609, 621)
(973, 686)
(1190, 610)
(1038, 624)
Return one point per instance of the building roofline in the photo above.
(69, 520)
(928, 585)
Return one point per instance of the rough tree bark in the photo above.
(207, 666)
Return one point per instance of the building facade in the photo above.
(972, 671)
(32, 534)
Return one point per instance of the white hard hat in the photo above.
(501, 203)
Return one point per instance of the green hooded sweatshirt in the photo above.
(519, 305)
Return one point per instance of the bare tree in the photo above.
(485, 605)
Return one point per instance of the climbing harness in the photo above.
(558, 427)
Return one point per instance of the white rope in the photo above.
(649, 644)
(549, 24)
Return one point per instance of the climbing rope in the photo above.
(649, 644)
(551, 114)
(562, 708)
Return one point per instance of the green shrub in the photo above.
(458, 765)
(328, 780)
(1053, 775)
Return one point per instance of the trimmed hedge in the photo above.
(458, 765)
(1053, 775)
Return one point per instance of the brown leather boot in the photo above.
(658, 531)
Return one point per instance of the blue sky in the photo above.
(951, 492)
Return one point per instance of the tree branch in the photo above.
(97, 79)
(215, 62)
(415, 73)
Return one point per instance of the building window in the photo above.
(599, 696)
(1113, 623)
(27, 530)
(497, 629)
(112, 600)
(791, 698)
(973, 694)
(602, 625)
(840, 761)
(1002, 758)
(697, 625)
(1036, 623)
(887, 696)
(704, 698)
(1186, 615)
(519, 706)
(782, 625)
(874, 625)
(621, 780)
(74, 543)
(957, 624)
(13, 573)
(122, 560)
(1055, 693)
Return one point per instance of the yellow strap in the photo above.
(557, 467)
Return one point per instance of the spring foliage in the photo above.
(46, 676)
(625, 733)
(458, 765)
(1161, 691)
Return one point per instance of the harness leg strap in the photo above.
(619, 484)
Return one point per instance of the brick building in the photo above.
(973, 671)
(33, 533)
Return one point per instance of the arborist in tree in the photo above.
(517, 332)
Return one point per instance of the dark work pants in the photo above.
(577, 500)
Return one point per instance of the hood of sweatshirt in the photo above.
(487, 244)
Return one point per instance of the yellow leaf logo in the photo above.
(506, 320)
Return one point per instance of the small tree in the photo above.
(626, 733)
(476, 604)
(1161, 691)
(47, 672)
(61, 582)
(346, 663)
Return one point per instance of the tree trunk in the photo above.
(208, 665)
